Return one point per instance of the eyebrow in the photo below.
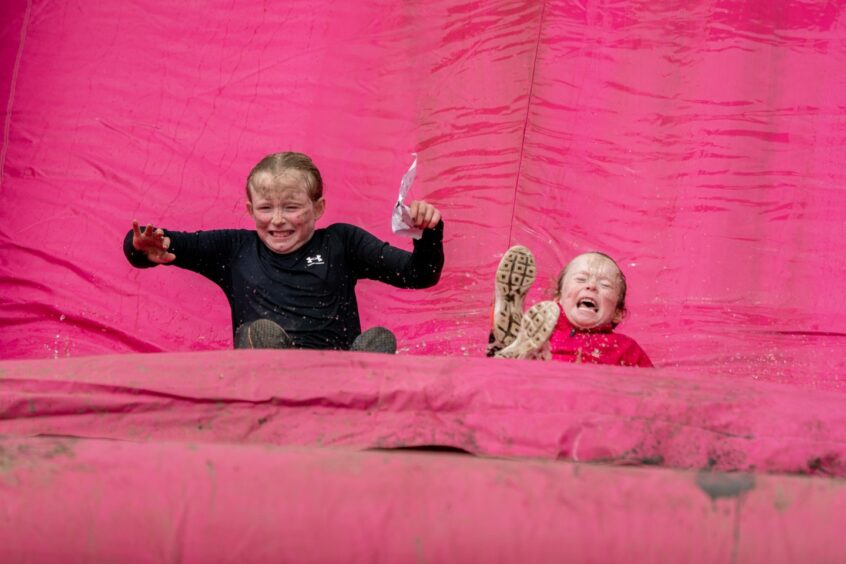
(602, 277)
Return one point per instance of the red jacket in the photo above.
(598, 346)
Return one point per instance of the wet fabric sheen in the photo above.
(698, 143)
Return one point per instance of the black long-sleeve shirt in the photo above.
(309, 292)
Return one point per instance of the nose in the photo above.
(278, 216)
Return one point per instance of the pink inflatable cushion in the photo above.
(164, 501)
(482, 406)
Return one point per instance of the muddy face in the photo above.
(590, 291)
(283, 210)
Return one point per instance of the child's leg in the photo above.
(375, 339)
(262, 334)
(536, 328)
(514, 276)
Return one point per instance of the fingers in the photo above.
(136, 235)
(153, 242)
(161, 258)
(159, 237)
(419, 213)
(424, 214)
(436, 219)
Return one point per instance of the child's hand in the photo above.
(424, 214)
(152, 243)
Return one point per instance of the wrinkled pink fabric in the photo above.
(699, 143)
(700, 146)
(487, 407)
(270, 504)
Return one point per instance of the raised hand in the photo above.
(424, 214)
(152, 242)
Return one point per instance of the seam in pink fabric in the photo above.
(7, 123)
(526, 124)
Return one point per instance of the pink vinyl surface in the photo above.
(612, 415)
(699, 143)
(250, 503)
(700, 146)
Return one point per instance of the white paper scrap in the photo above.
(401, 222)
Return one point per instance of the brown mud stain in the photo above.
(722, 485)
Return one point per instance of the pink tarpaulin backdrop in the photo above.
(700, 143)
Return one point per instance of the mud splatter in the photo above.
(721, 485)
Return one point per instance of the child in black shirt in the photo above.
(289, 284)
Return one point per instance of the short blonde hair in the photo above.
(278, 163)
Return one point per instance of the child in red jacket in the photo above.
(577, 326)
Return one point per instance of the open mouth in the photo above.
(280, 234)
(588, 303)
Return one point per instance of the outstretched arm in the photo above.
(152, 243)
(421, 268)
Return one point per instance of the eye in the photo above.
(580, 279)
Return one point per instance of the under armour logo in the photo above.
(316, 259)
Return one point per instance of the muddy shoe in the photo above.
(377, 340)
(514, 276)
(532, 341)
(262, 334)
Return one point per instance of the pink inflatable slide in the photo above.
(701, 144)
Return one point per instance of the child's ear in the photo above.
(319, 208)
(250, 208)
(618, 316)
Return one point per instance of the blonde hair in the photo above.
(277, 163)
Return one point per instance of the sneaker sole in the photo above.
(514, 276)
(536, 327)
(539, 323)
